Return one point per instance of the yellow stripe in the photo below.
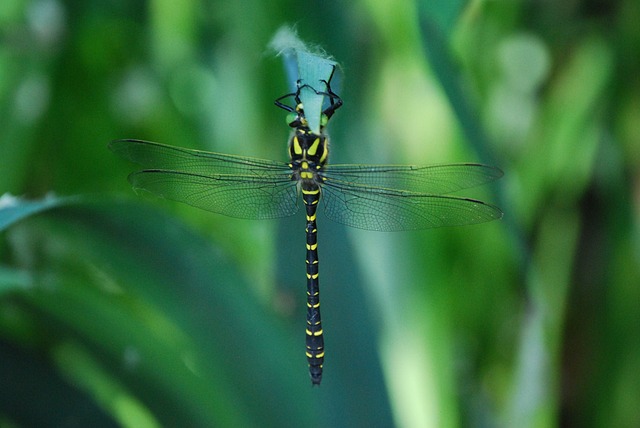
(309, 333)
(312, 247)
(317, 333)
(314, 147)
(296, 146)
(310, 355)
(323, 158)
(311, 218)
(306, 175)
(311, 192)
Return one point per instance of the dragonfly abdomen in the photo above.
(314, 337)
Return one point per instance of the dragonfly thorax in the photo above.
(307, 146)
(308, 153)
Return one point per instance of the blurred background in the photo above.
(119, 309)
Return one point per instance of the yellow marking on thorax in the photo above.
(297, 149)
(323, 158)
(314, 147)
(305, 173)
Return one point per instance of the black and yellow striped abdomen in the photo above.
(314, 339)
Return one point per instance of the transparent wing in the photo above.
(433, 179)
(236, 186)
(374, 197)
(243, 196)
(160, 156)
(376, 208)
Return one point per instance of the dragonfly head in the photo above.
(296, 119)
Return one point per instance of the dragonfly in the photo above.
(370, 197)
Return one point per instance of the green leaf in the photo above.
(11, 279)
(14, 209)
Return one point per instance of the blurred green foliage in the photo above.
(121, 310)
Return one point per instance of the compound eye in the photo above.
(292, 119)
